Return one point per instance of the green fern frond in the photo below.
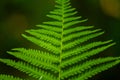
(49, 28)
(43, 44)
(32, 53)
(83, 48)
(67, 25)
(85, 55)
(28, 69)
(94, 71)
(81, 40)
(36, 62)
(85, 66)
(44, 37)
(68, 48)
(72, 30)
(53, 23)
(79, 34)
(8, 77)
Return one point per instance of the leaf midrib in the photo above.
(61, 40)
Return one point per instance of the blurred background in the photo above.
(18, 15)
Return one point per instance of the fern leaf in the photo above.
(46, 32)
(81, 28)
(49, 28)
(79, 34)
(84, 48)
(96, 70)
(55, 12)
(66, 54)
(72, 19)
(54, 23)
(78, 41)
(44, 37)
(69, 10)
(86, 65)
(28, 69)
(68, 6)
(43, 44)
(85, 55)
(70, 14)
(60, 1)
(58, 6)
(36, 62)
(67, 25)
(56, 17)
(37, 54)
(8, 77)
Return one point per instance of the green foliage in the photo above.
(8, 77)
(67, 56)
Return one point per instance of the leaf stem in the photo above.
(61, 39)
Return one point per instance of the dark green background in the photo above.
(18, 15)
